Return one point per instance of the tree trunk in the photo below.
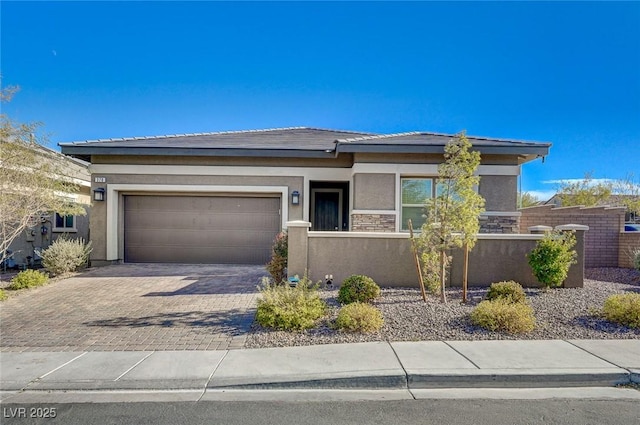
(416, 257)
(465, 272)
(443, 276)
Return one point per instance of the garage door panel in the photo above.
(196, 229)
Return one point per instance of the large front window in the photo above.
(415, 192)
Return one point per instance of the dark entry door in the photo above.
(327, 210)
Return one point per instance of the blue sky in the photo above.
(567, 73)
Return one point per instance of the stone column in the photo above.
(298, 249)
(575, 278)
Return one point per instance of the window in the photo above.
(64, 223)
(415, 191)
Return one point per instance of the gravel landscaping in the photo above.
(560, 314)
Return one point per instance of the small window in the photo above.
(415, 192)
(64, 223)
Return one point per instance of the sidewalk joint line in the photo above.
(468, 359)
(206, 384)
(406, 375)
(59, 367)
(595, 355)
(131, 368)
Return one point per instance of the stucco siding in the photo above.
(374, 191)
(499, 192)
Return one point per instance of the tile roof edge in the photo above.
(429, 133)
(212, 133)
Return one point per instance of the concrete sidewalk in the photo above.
(378, 366)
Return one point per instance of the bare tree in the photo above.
(34, 180)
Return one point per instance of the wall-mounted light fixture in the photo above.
(295, 198)
(98, 194)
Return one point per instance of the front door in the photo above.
(326, 209)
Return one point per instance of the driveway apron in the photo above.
(135, 307)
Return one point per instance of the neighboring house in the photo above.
(47, 228)
(222, 197)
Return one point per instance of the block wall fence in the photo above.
(604, 242)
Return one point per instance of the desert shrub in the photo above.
(3, 295)
(28, 279)
(635, 256)
(277, 266)
(358, 288)
(623, 309)
(359, 317)
(508, 290)
(65, 255)
(505, 316)
(552, 257)
(290, 308)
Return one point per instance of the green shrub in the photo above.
(65, 255)
(552, 257)
(359, 317)
(358, 288)
(508, 290)
(623, 309)
(3, 295)
(290, 308)
(28, 279)
(505, 316)
(278, 264)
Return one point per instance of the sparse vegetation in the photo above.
(359, 317)
(290, 308)
(65, 255)
(358, 288)
(623, 309)
(508, 290)
(636, 259)
(504, 316)
(28, 279)
(277, 266)
(3, 295)
(552, 257)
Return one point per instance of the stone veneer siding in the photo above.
(499, 224)
(373, 222)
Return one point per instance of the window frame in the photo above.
(402, 227)
(64, 229)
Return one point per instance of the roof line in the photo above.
(377, 136)
(429, 133)
(213, 133)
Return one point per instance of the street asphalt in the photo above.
(380, 369)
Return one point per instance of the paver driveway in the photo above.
(135, 307)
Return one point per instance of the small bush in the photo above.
(28, 279)
(3, 295)
(623, 309)
(505, 316)
(508, 290)
(277, 266)
(290, 308)
(358, 288)
(359, 317)
(65, 255)
(552, 257)
(635, 256)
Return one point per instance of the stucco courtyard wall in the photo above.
(388, 258)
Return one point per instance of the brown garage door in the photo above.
(200, 229)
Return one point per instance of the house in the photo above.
(613, 200)
(44, 229)
(222, 197)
